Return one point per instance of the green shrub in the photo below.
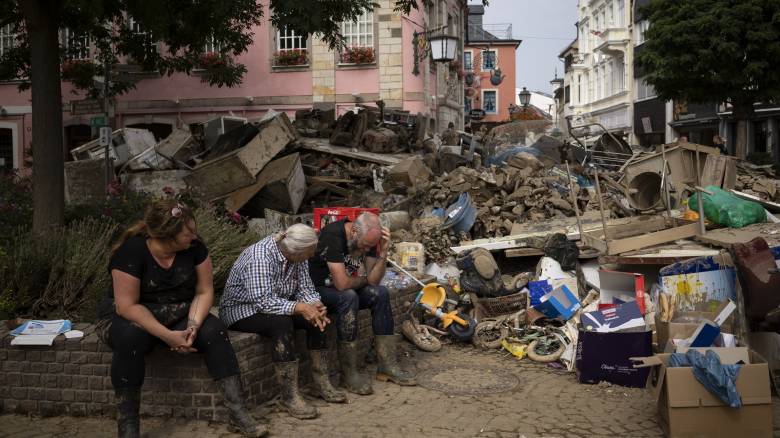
(78, 277)
(60, 274)
(16, 205)
(224, 239)
(63, 274)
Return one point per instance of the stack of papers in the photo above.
(37, 332)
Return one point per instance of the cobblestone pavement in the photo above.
(543, 403)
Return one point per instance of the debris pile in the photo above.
(522, 191)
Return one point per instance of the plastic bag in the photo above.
(725, 209)
(517, 350)
(719, 379)
(562, 250)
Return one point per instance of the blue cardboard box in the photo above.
(538, 289)
(561, 303)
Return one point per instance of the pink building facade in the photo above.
(490, 50)
(322, 79)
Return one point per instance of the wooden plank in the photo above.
(591, 227)
(332, 179)
(638, 242)
(524, 252)
(771, 206)
(661, 254)
(563, 225)
(714, 168)
(730, 174)
(726, 237)
(322, 145)
(328, 186)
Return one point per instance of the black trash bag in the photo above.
(562, 250)
(480, 273)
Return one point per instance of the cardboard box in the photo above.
(666, 331)
(619, 318)
(538, 289)
(687, 409)
(561, 303)
(619, 287)
(696, 291)
(607, 357)
(281, 185)
(214, 179)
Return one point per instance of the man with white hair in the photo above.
(347, 270)
(269, 292)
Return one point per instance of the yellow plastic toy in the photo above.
(431, 298)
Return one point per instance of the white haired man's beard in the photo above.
(354, 250)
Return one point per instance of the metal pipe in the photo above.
(574, 200)
(702, 226)
(666, 183)
(407, 273)
(601, 207)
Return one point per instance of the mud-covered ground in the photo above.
(464, 393)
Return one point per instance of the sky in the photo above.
(546, 28)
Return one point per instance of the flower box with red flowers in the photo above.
(358, 55)
(290, 58)
(212, 60)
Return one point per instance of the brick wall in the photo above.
(72, 377)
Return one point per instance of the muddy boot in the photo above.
(321, 377)
(128, 403)
(353, 380)
(292, 400)
(241, 420)
(388, 368)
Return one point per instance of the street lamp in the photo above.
(525, 97)
(443, 48)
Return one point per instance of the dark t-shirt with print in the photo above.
(158, 285)
(332, 247)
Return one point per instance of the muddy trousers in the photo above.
(346, 304)
(130, 343)
(281, 330)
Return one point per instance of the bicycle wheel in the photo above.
(488, 335)
(543, 356)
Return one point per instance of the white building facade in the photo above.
(601, 74)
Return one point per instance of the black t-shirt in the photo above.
(158, 285)
(332, 247)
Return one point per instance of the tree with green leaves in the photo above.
(715, 51)
(165, 36)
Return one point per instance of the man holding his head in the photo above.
(347, 270)
(269, 292)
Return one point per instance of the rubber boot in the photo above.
(241, 421)
(321, 377)
(292, 400)
(128, 403)
(354, 381)
(388, 369)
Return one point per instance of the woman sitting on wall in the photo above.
(162, 292)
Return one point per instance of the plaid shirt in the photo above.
(263, 281)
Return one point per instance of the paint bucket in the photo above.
(461, 215)
(410, 255)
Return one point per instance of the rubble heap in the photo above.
(522, 191)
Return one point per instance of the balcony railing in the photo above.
(490, 32)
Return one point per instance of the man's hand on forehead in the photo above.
(372, 236)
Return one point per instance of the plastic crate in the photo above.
(333, 214)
